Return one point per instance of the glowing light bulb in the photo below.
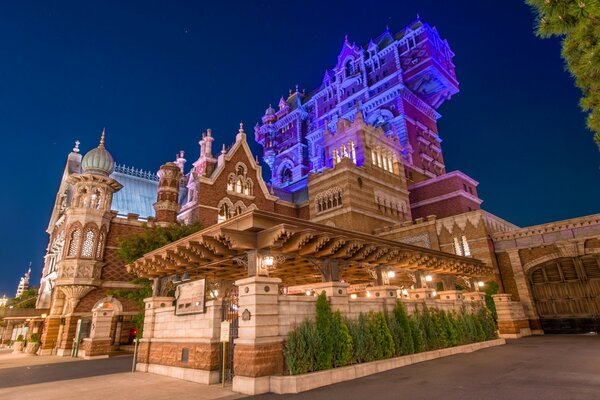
(480, 284)
(391, 274)
(353, 296)
(428, 278)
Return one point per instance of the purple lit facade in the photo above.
(396, 80)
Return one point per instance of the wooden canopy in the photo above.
(300, 249)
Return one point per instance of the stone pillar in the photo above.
(98, 344)
(512, 322)
(6, 337)
(150, 306)
(337, 293)
(523, 291)
(258, 351)
(389, 295)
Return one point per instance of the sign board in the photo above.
(190, 297)
(225, 331)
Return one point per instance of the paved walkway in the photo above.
(551, 367)
(565, 367)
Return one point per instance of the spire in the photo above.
(358, 116)
(101, 145)
(241, 130)
(76, 148)
(223, 151)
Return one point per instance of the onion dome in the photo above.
(98, 161)
(269, 116)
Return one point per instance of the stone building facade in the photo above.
(359, 201)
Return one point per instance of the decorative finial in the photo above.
(296, 88)
(76, 148)
(418, 17)
(223, 151)
(101, 145)
(241, 127)
(346, 38)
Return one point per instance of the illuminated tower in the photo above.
(399, 80)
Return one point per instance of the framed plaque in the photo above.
(190, 297)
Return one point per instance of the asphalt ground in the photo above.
(561, 367)
(52, 372)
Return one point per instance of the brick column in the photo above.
(65, 341)
(258, 351)
(512, 322)
(50, 335)
(525, 296)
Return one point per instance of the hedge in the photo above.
(332, 341)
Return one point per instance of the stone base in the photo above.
(514, 329)
(258, 360)
(187, 374)
(63, 352)
(251, 386)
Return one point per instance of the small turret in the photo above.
(167, 204)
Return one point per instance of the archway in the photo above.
(566, 293)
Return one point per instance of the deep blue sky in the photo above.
(158, 74)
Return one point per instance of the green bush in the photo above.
(34, 338)
(20, 338)
(342, 348)
(491, 288)
(324, 329)
(301, 348)
(331, 341)
(399, 325)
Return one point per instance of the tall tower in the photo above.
(87, 222)
(399, 80)
(24, 282)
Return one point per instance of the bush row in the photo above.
(332, 341)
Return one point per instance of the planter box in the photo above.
(32, 348)
(301, 383)
(18, 347)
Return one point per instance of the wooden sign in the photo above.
(225, 331)
(190, 298)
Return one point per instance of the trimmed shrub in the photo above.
(387, 345)
(301, 348)
(399, 325)
(342, 345)
(324, 321)
(362, 339)
(440, 328)
(417, 332)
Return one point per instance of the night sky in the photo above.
(158, 74)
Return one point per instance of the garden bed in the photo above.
(301, 383)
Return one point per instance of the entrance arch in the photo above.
(566, 293)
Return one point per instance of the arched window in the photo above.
(286, 175)
(249, 188)
(349, 67)
(224, 212)
(352, 151)
(239, 185)
(87, 248)
(231, 182)
(74, 242)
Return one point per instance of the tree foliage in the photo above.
(324, 328)
(577, 22)
(143, 291)
(27, 299)
(132, 247)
